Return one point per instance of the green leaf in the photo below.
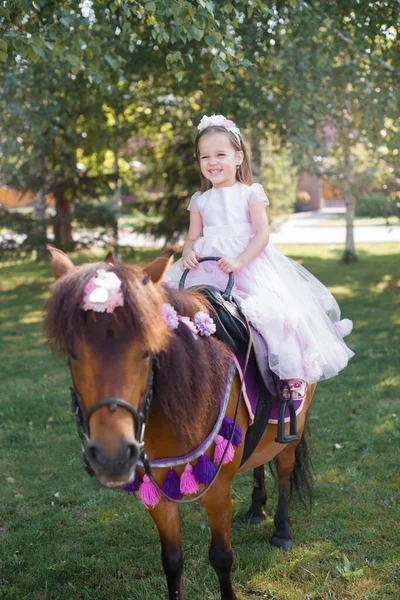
(213, 39)
(3, 56)
(196, 33)
(4, 12)
(222, 65)
(3, 45)
(150, 6)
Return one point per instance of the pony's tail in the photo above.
(302, 479)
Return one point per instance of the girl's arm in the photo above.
(189, 256)
(259, 223)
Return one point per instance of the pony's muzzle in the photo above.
(116, 470)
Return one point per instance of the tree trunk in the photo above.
(349, 255)
(40, 213)
(256, 154)
(63, 221)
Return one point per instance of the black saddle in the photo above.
(233, 329)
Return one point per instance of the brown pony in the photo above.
(110, 357)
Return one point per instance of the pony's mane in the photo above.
(191, 374)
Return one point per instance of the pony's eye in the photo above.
(73, 356)
(145, 355)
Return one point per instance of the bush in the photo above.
(19, 233)
(378, 205)
(94, 216)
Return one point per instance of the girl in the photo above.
(296, 315)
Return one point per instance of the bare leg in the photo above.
(167, 519)
(219, 510)
(256, 513)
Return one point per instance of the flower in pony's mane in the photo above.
(170, 316)
(219, 121)
(103, 292)
(204, 323)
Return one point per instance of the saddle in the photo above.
(233, 329)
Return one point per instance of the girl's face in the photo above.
(219, 159)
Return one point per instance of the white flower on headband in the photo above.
(103, 292)
(219, 121)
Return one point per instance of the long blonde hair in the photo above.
(244, 173)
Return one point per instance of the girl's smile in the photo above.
(219, 159)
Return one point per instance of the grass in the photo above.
(63, 538)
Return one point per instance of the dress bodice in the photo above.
(228, 206)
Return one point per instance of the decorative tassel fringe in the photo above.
(189, 483)
(171, 485)
(133, 487)
(220, 445)
(148, 493)
(205, 470)
(226, 431)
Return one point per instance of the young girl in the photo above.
(296, 315)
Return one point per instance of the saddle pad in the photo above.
(251, 392)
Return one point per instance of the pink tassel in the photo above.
(220, 445)
(148, 493)
(189, 483)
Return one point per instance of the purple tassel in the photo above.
(171, 485)
(226, 431)
(133, 487)
(205, 470)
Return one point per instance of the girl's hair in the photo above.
(244, 173)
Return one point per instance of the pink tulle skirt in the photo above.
(295, 313)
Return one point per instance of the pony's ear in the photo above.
(157, 268)
(110, 258)
(60, 262)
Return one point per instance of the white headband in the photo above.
(219, 121)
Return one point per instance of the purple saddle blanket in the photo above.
(251, 388)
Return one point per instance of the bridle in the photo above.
(140, 416)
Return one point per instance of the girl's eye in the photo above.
(201, 157)
(221, 154)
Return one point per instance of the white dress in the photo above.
(294, 312)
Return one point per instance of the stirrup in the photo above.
(281, 438)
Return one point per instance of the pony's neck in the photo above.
(188, 387)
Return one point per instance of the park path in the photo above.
(311, 227)
(319, 227)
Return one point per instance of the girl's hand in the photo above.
(229, 265)
(189, 260)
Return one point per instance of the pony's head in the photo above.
(110, 353)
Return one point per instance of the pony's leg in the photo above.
(168, 522)
(285, 461)
(218, 504)
(256, 513)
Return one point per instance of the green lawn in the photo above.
(63, 538)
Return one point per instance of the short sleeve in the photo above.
(193, 201)
(257, 194)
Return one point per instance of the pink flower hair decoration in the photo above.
(219, 121)
(103, 293)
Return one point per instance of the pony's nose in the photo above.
(100, 461)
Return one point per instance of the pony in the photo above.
(113, 357)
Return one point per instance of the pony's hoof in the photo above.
(284, 543)
(255, 519)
